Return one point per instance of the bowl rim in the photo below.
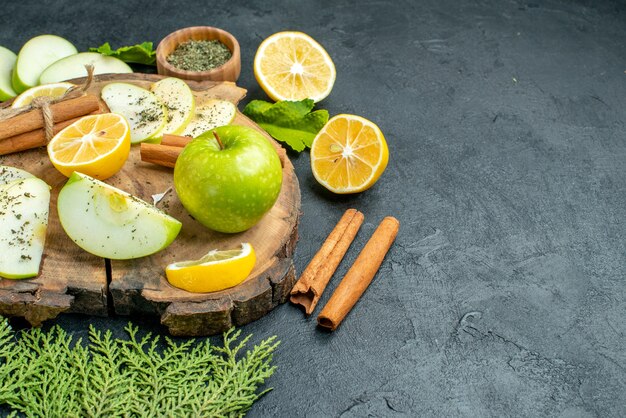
(162, 59)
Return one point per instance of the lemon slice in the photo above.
(96, 145)
(349, 154)
(54, 91)
(217, 270)
(293, 66)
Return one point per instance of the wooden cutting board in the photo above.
(72, 280)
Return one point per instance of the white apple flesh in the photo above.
(35, 56)
(24, 207)
(111, 223)
(74, 67)
(144, 111)
(9, 174)
(210, 115)
(179, 100)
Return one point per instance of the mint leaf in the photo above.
(138, 54)
(290, 122)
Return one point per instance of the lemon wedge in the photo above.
(217, 270)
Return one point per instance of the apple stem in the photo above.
(219, 141)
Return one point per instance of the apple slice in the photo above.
(110, 223)
(7, 62)
(179, 100)
(210, 115)
(37, 54)
(23, 221)
(10, 174)
(145, 112)
(74, 67)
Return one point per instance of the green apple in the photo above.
(24, 203)
(35, 56)
(7, 62)
(111, 223)
(179, 100)
(228, 187)
(73, 66)
(144, 111)
(209, 115)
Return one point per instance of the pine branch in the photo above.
(47, 374)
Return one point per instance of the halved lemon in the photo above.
(54, 91)
(96, 145)
(217, 270)
(349, 154)
(293, 66)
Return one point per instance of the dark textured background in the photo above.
(504, 294)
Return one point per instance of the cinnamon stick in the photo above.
(175, 140)
(163, 155)
(360, 274)
(61, 111)
(33, 139)
(315, 277)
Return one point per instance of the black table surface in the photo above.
(504, 293)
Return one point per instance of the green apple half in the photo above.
(24, 203)
(228, 189)
(7, 62)
(111, 223)
(35, 56)
(179, 100)
(74, 67)
(144, 111)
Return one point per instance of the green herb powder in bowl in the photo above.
(199, 55)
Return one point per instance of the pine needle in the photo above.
(47, 374)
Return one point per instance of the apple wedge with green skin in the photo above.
(35, 56)
(7, 62)
(74, 67)
(111, 223)
(210, 115)
(144, 111)
(24, 205)
(179, 100)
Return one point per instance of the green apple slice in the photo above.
(145, 112)
(24, 207)
(110, 223)
(10, 174)
(210, 115)
(7, 62)
(35, 56)
(179, 100)
(74, 67)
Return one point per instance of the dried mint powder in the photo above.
(199, 55)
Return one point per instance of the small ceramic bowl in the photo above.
(229, 71)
